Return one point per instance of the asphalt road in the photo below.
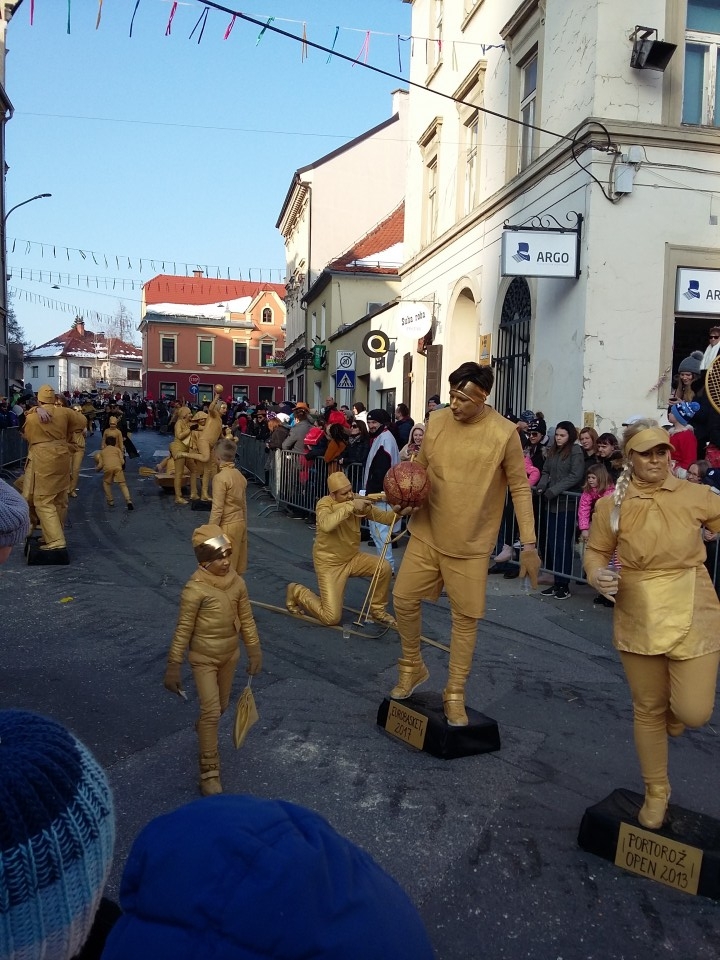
(486, 846)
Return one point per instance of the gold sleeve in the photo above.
(329, 516)
(248, 627)
(190, 601)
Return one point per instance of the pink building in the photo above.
(201, 331)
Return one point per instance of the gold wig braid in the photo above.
(623, 482)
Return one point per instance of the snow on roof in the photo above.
(392, 257)
(48, 350)
(210, 311)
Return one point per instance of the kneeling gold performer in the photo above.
(337, 556)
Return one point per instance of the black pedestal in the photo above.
(204, 505)
(683, 854)
(420, 722)
(37, 557)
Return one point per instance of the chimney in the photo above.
(80, 326)
(197, 274)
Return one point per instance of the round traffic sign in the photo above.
(194, 379)
(194, 389)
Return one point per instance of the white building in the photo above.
(330, 203)
(628, 155)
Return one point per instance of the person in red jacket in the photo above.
(682, 436)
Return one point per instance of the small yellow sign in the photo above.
(652, 855)
(588, 419)
(485, 357)
(406, 724)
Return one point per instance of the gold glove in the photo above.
(361, 507)
(530, 565)
(605, 581)
(254, 658)
(172, 680)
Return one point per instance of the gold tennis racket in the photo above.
(712, 383)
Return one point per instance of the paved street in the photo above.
(485, 846)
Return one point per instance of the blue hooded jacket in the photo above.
(239, 878)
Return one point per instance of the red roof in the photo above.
(196, 291)
(385, 235)
(74, 344)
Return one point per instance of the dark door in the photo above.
(512, 362)
(433, 375)
(407, 379)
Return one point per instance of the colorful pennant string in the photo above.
(230, 26)
(168, 29)
(260, 35)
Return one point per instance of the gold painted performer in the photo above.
(181, 443)
(214, 607)
(112, 431)
(111, 461)
(229, 502)
(77, 452)
(472, 455)
(337, 556)
(48, 430)
(666, 623)
(203, 444)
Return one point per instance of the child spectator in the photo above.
(214, 606)
(598, 483)
(336, 445)
(682, 436)
(110, 461)
(229, 503)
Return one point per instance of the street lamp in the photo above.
(38, 196)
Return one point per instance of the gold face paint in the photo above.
(467, 401)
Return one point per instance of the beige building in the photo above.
(610, 271)
(330, 203)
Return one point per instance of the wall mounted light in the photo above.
(649, 53)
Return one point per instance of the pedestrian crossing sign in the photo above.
(346, 381)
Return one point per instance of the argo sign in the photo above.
(540, 253)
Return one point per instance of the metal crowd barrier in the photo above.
(13, 449)
(297, 484)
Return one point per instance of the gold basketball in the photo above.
(218, 388)
(406, 485)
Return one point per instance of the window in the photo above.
(205, 351)
(323, 313)
(167, 349)
(240, 358)
(35, 372)
(51, 369)
(469, 97)
(528, 99)
(374, 305)
(266, 353)
(85, 373)
(313, 326)
(434, 57)
(431, 193)
(266, 394)
(168, 391)
(472, 130)
(240, 393)
(205, 393)
(267, 315)
(701, 91)
(133, 375)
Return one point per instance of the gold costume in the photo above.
(202, 445)
(48, 471)
(229, 511)
(77, 452)
(112, 431)
(213, 610)
(179, 445)
(666, 622)
(470, 466)
(111, 462)
(336, 557)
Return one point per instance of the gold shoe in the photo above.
(454, 706)
(180, 500)
(652, 813)
(210, 783)
(411, 673)
(384, 618)
(291, 601)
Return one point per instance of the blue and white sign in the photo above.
(345, 380)
(193, 389)
(540, 253)
(697, 291)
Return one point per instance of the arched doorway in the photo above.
(512, 360)
(461, 338)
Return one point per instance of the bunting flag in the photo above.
(201, 19)
(99, 14)
(132, 19)
(32, 12)
(332, 48)
(364, 49)
(304, 45)
(260, 35)
(53, 304)
(168, 28)
(230, 26)
(68, 16)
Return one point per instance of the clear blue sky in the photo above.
(157, 147)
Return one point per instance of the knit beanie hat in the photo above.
(236, 876)
(209, 542)
(379, 416)
(691, 364)
(14, 516)
(684, 411)
(56, 838)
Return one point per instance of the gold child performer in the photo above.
(472, 455)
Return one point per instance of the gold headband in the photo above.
(470, 391)
(212, 549)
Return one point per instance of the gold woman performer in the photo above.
(667, 616)
(229, 503)
(472, 456)
(77, 452)
(205, 440)
(48, 430)
(180, 444)
(337, 556)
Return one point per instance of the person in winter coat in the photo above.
(229, 503)
(403, 425)
(688, 380)
(383, 454)
(412, 447)
(214, 607)
(295, 440)
(563, 471)
(682, 436)
(598, 483)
